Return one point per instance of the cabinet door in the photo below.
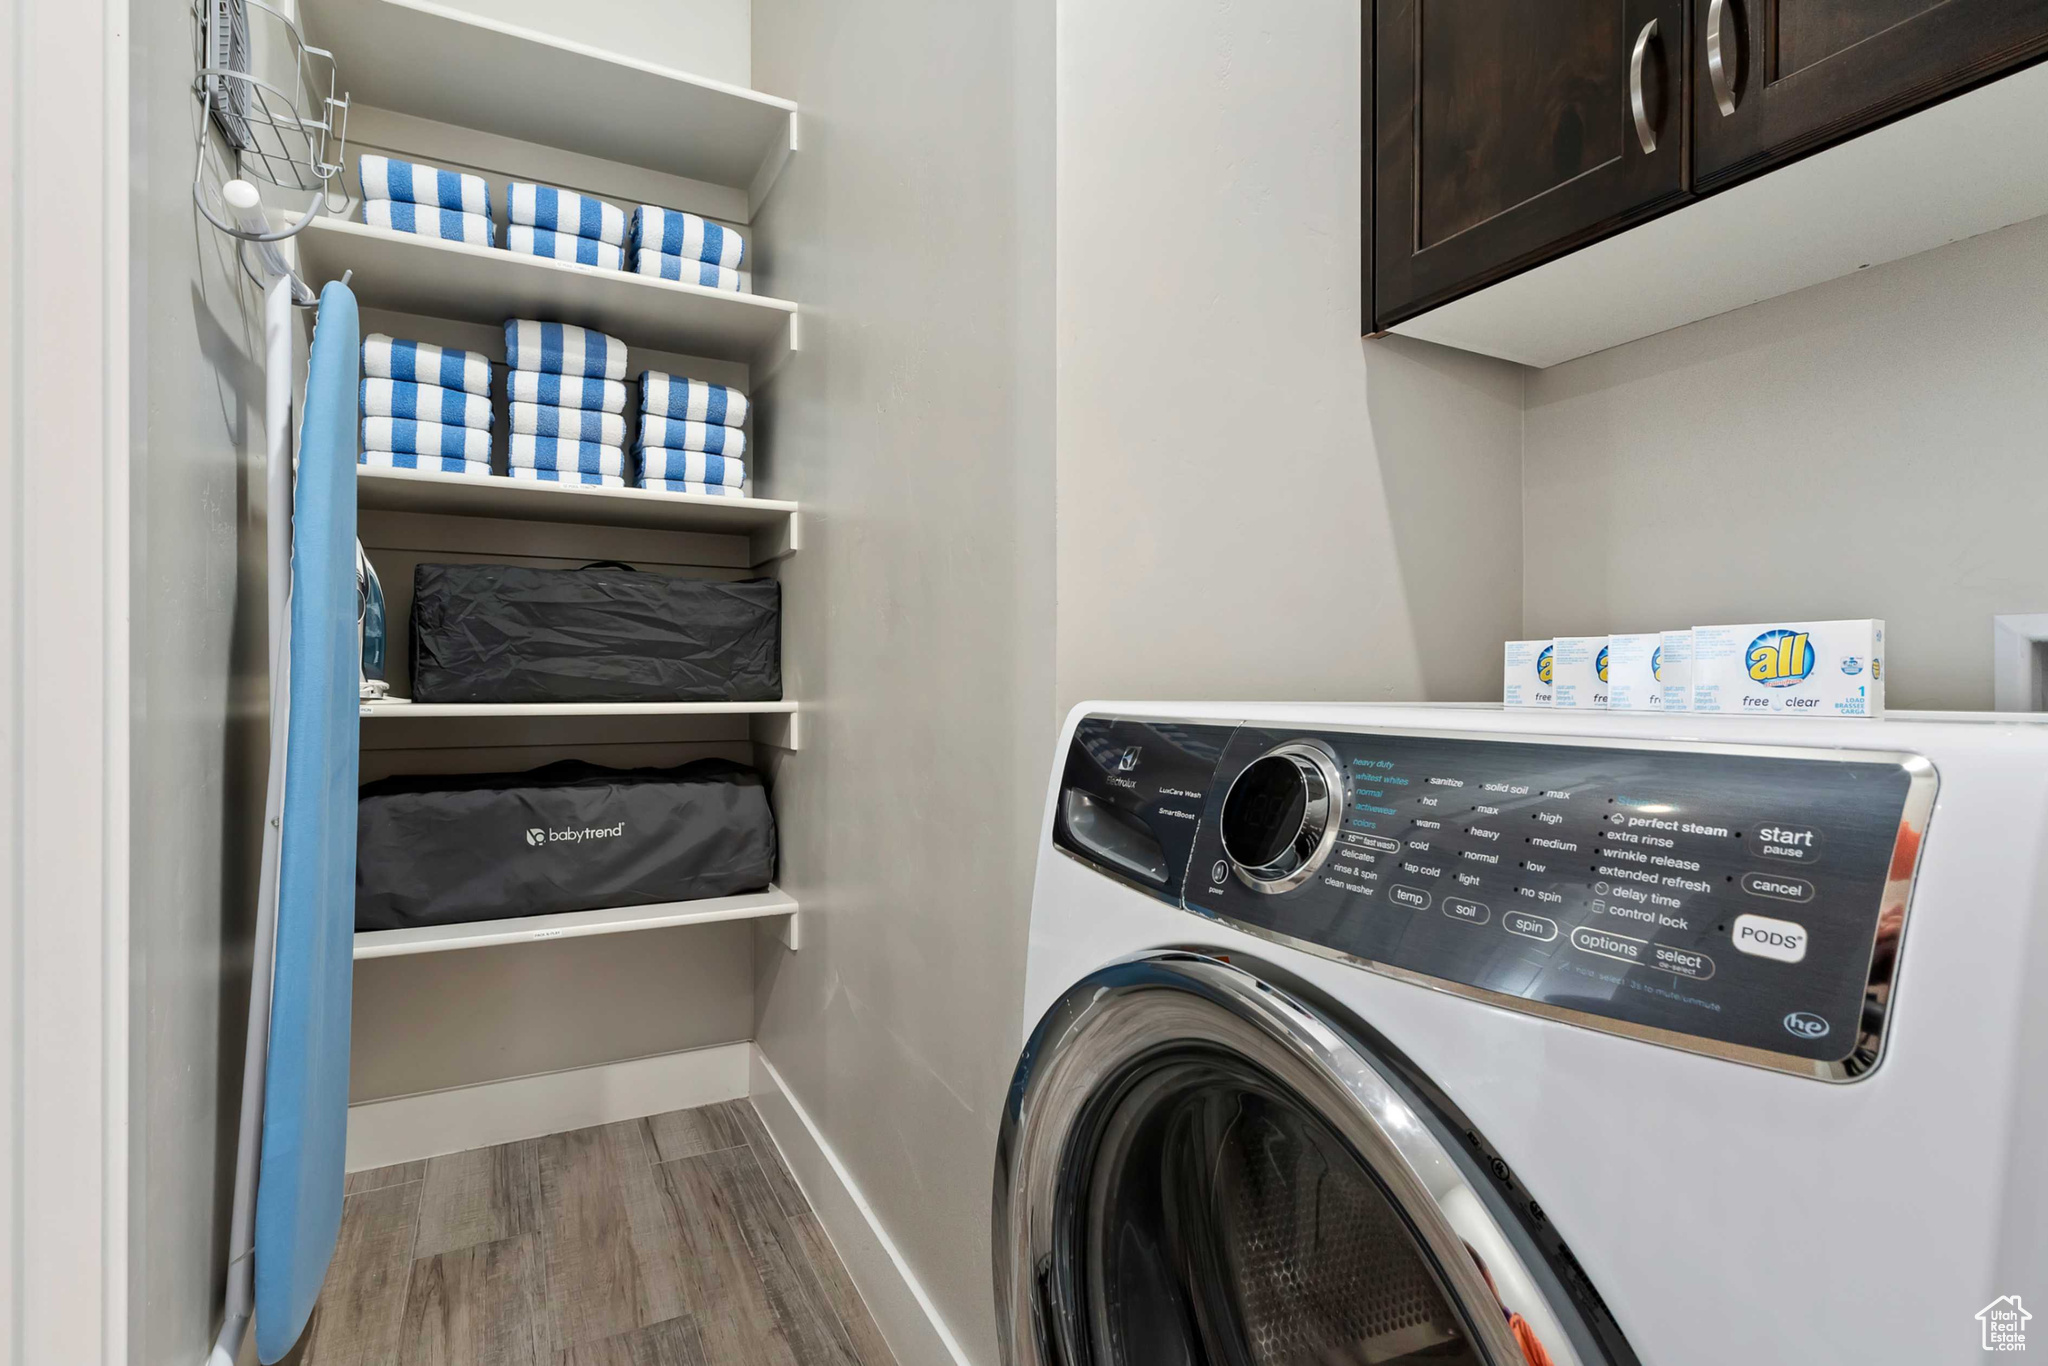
(1507, 132)
(1775, 79)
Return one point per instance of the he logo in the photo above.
(2005, 1324)
(536, 836)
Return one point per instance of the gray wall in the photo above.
(1253, 502)
(199, 698)
(703, 37)
(1868, 447)
(915, 227)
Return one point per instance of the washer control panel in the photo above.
(1744, 901)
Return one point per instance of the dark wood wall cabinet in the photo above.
(1505, 133)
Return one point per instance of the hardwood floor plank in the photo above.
(672, 1343)
(795, 1283)
(839, 1289)
(481, 1196)
(611, 1250)
(377, 1178)
(362, 1304)
(787, 1193)
(736, 1315)
(475, 1306)
(706, 1129)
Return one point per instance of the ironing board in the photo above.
(305, 1100)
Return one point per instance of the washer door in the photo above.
(1196, 1168)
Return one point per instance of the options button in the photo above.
(1610, 945)
(1764, 937)
(1529, 926)
(1471, 912)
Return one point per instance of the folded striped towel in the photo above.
(665, 267)
(565, 391)
(404, 435)
(563, 349)
(581, 215)
(529, 452)
(696, 467)
(676, 396)
(561, 246)
(414, 183)
(450, 225)
(672, 232)
(685, 486)
(577, 424)
(424, 402)
(683, 435)
(527, 472)
(411, 460)
(387, 358)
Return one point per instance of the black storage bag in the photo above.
(605, 633)
(567, 837)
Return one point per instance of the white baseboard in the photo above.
(909, 1321)
(408, 1128)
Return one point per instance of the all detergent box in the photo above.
(1527, 683)
(1797, 668)
(1673, 667)
(1578, 670)
(1632, 664)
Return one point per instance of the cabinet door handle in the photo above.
(1645, 134)
(1720, 65)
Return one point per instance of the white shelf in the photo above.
(401, 707)
(410, 273)
(773, 903)
(453, 67)
(771, 526)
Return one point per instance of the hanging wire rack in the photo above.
(291, 133)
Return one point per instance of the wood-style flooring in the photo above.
(678, 1240)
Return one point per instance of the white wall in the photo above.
(1868, 447)
(1253, 502)
(711, 38)
(915, 227)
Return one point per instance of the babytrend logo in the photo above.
(2005, 1324)
(536, 836)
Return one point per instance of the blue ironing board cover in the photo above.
(305, 1108)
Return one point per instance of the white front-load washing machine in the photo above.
(1444, 1034)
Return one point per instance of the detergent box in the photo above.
(1528, 674)
(1673, 667)
(1796, 668)
(1578, 673)
(1632, 663)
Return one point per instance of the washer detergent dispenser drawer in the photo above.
(1132, 796)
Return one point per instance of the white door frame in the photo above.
(64, 407)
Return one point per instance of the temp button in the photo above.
(1766, 937)
(1409, 896)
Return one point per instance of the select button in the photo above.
(1529, 926)
(1471, 912)
(1684, 962)
(1610, 945)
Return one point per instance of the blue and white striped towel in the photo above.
(561, 246)
(544, 206)
(677, 396)
(563, 349)
(565, 391)
(665, 267)
(428, 402)
(389, 178)
(388, 358)
(696, 467)
(532, 475)
(406, 436)
(684, 486)
(578, 424)
(683, 435)
(450, 225)
(409, 460)
(671, 232)
(526, 451)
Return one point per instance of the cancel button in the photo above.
(1778, 887)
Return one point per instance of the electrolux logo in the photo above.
(537, 836)
(2004, 1324)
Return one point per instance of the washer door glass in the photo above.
(1226, 1224)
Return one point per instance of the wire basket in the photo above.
(291, 133)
